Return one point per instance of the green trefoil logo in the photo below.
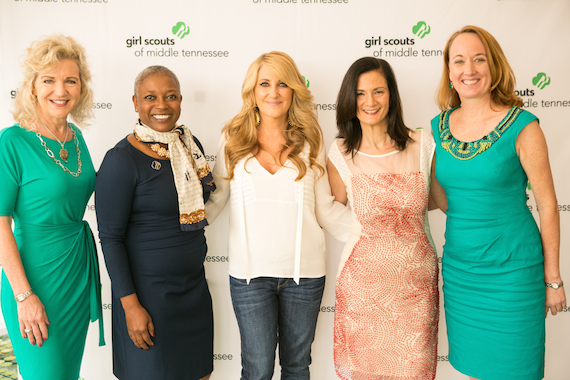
(541, 80)
(180, 30)
(421, 29)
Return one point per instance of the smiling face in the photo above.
(273, 97)
(58, 91)
(158, 102)
(469, 67)
(372, 99)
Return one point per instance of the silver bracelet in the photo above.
(554, 285)
(21, 297)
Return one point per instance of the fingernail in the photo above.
(153, 334)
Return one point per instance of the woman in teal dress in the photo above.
(500, 273)
(50, 281)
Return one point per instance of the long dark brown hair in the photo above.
(348, 124)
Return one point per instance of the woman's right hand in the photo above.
(33, 318)
(139, 322)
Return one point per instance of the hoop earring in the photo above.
(257, 117)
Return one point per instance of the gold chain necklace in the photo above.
(50, 154)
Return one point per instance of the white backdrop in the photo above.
(210, 44)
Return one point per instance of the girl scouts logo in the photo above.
(421, 29)
(156, 165)
(541, 80)
(180, 30)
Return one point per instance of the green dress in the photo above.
(56, 246)
(493, 275)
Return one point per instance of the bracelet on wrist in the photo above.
(22, 296)
(554, 285)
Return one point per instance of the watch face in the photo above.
(555, 286)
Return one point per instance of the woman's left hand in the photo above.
(555, 301)
(533, 154)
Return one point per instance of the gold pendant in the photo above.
(63, 154)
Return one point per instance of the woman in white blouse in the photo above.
(271, 166)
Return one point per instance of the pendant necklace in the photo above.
(63, 153)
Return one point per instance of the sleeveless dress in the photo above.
(56, 247)
(386, 309)
(493, 276)
(147, 253)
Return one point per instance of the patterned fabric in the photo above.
(386, 312)
(468, 150)
(190, 169)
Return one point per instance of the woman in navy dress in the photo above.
(150, 193)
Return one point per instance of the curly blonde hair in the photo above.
(43, 56)
(502, 76)
(241, 131)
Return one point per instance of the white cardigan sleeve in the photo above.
(333, 216)
(219, 198)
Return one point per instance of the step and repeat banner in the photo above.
(210, 44)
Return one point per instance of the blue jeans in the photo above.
(271, 310)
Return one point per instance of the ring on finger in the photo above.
(27, 331)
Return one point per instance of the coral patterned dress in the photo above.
(386, 311)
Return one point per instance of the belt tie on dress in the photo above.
(95, 304)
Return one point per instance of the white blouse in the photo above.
(275, 221)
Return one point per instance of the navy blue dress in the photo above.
(147, 253)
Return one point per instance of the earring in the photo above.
(290, 122)
(450, 84)
(257, 117)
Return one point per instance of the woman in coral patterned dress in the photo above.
(386, 310)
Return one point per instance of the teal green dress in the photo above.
(56, 246)
(493, 276)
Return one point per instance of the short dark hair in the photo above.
(348, 124)
(151, 70)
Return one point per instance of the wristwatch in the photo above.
(554, 285)
(22, 296)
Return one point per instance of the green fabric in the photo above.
(492, 261)
(56, 247)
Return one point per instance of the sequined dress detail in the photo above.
(386, 307)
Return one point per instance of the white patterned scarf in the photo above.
(191, 172)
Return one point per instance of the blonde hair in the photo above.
(43, 56)
(241, 131)
(502, 76)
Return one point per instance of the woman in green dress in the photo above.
(50, 281)
(501, 273)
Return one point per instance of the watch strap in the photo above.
(22, 296)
